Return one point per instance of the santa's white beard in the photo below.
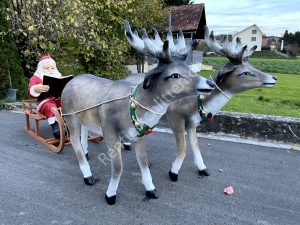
(53, 74)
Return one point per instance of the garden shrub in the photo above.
(10, 62)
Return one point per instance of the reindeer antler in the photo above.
(180, 49)
(248, 53)
(146, 46)
(156, 47)
(234, 54)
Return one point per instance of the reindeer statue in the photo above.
(187, 113)
(128, 113)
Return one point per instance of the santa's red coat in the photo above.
(44, 104)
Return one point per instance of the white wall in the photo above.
(246, 36)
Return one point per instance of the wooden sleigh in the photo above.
(54, 144)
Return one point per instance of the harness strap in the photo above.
(209, 117)
(219, 88)
(204, 118)
(82, 110)
(142, 130)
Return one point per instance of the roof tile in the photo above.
(185, 17)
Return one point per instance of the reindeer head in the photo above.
(238, 75)
(172, 73)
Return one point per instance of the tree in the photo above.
(11, 72)
(202, 46)
(88, 30)
(178, 2)
(113, 18)
(291, 41)
(287, 37)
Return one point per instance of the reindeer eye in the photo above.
(246, 73)
(175, 75)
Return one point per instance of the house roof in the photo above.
(262, 33)
(188, 18)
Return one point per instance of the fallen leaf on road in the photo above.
(228, 190)
(294, 148)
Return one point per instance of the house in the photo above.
(264, 42)
(250, 36)
(188, 18)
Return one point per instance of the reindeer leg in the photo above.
(181, 151)
(142, 159)
(192, 135)
(84, 141)
(75, 130)
(114, 151)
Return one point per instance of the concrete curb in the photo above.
(237, 139)
(16, 106)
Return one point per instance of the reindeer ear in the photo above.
(150, 76)
(223, 72)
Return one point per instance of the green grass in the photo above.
(281, 100)
(291, 66)
(3, 101)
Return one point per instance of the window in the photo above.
(254, 31)
(253, 39)
(187, 35)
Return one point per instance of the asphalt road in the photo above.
(41, 187)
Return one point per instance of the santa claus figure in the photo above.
(46, 66)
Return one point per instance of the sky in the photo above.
(273, 17)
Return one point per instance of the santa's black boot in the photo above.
(55, 129)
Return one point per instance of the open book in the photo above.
(56, 85)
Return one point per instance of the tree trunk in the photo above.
(9, 77)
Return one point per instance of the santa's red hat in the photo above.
(46, 59)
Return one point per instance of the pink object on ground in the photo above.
(228, 190)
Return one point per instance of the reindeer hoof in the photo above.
(110, 200)
(152, 194)
(90, 180)
(173, 176)
(203, 172)
(87, 156)
(127, 146)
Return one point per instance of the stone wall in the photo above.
(276, 128)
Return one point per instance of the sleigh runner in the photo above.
(54, 144)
